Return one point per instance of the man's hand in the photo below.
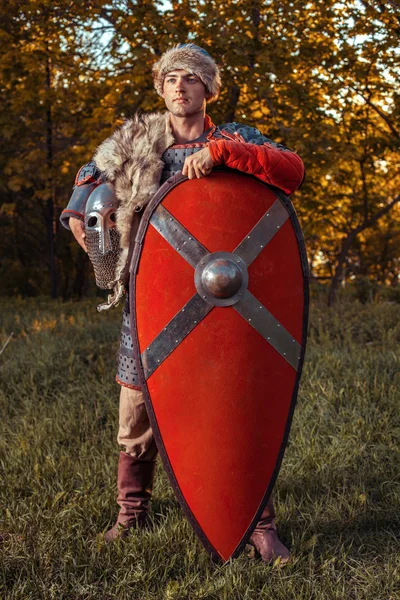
(76, 226)
(198, 164)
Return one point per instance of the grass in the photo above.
(337, 496)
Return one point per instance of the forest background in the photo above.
(319, 77)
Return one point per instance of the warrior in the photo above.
(140, 156)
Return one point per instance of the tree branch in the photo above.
(369, 102)
(348, 241)
(378, 111)
(377, 215)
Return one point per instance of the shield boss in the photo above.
(221, 278)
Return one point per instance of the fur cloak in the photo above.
(131, 159)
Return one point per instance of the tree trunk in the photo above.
(346, 245)
(51, 224)
(81, 277)
(234, 93)
(341, 262)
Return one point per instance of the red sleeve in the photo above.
(281, 168)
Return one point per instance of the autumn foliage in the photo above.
(320, 77)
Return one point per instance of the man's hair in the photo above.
(193, 59)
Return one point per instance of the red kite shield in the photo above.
(219, 295)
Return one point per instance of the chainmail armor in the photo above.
(103, 264)
(174, 158)
(127, 372)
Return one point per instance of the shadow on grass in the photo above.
(330, 511)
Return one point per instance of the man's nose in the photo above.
(179, 85)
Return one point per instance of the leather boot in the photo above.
(265, 539)
(135, 483)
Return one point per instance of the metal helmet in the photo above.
(102, 237)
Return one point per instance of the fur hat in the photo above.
(193, 59)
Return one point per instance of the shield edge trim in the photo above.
(171, 183)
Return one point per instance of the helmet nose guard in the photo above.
(102, 237)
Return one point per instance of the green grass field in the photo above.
(337, 495)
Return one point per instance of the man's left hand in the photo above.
(198, 165)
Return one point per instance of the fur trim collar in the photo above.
(131, 159)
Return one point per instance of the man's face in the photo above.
(184, 93)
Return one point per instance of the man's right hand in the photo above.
(77, 229)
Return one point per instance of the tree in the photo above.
(321, 79)
(41, 131)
